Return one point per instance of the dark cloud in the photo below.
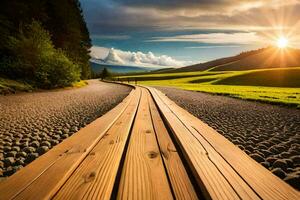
(122, 16)
(107, 17)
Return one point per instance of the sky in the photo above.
(176, 33)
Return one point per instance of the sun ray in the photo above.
(282, 42)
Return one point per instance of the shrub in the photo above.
(34, 58)
(27, 49)
(56, 70)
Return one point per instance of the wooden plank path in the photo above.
(147, 147)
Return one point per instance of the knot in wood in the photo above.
(152, 154)
(91, 176)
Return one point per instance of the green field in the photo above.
(276, 86)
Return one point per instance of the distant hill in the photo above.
(282, 77)
(98, 67)
(257, 59)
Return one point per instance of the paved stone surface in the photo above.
(32, 123)
(269, 134)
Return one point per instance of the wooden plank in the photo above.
(262, 181)
(143, 175)
(180, 182)
(208, 176)
(237, 183)
(96, 175)
(60, 161)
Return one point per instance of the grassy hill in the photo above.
(269, 58)
(286, 77)
(275, 85)
(257, 59)
(268, 75)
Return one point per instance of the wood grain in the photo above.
(44, 176)
(259, 179)
(214, 185)
(143, 175)
(180, 182)
(86, 165)
(96, 175)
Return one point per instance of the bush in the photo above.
(27, 49)
(34, 58)
(56, 70)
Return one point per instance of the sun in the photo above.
(282, 42)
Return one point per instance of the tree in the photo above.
(26, 50)
(70, 33)
(104, 74)
(62, 19)
(36, 59)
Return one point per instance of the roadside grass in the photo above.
(79, 84)
(274, 86)
(8, 86)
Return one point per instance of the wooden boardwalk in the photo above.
(145, 148)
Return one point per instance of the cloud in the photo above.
(213, 47)
(111, 37)
(117, 15)
(119, 57)
(213, 38)
(173, 3)
(98, 52)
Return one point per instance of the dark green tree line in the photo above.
(42, 39)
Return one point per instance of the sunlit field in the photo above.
(276, 86)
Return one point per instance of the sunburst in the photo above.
(282, 42)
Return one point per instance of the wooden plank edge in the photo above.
(208, 177)
(269, 186)
(15, 184)
(143, 165)
(180, 182)
(90, 172)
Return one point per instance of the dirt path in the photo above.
(32, 123)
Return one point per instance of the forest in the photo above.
(44, 43)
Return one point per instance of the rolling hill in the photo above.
(284, 77)
(257, 59)
(267, 75)
(120, 69)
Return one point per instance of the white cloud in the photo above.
(119, 57)
(98, 52)
(213, 38)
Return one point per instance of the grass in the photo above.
(275, 86)
(79, 84)
(167, 76)
(271, 78)
(8, 86)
